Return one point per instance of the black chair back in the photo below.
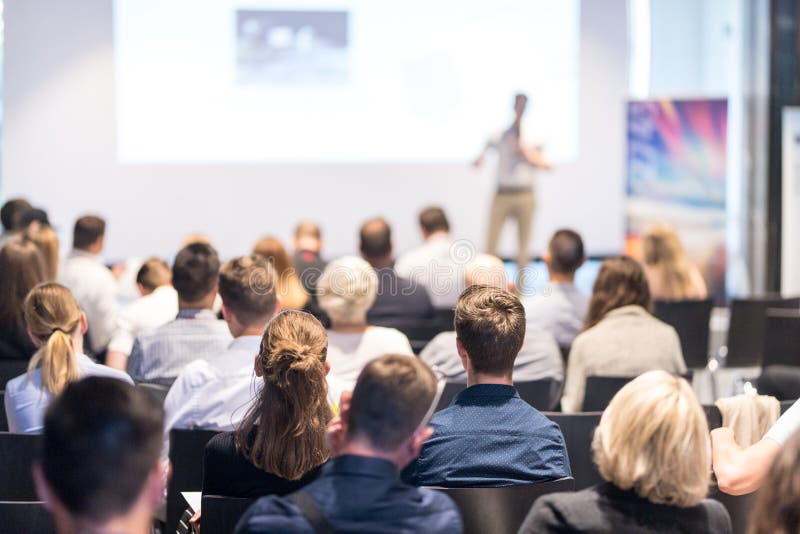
(782, 338)
(786, 404)
(26, 517)
(713, 416)
(451, 389)
(11, 369)
(157, 391)
(690, 318)
(500, 510)
(220, 514)
(747, 328)
(738, 507)
(578, 430)
(541, 394)
(186, 454)
(3, 417)
(601, 389)
(17, 453)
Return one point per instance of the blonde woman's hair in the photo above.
(663, 252)
(53, 317)
(46, 240)
(291, 292)
(347, 289)
(653, 439)
(283, 433)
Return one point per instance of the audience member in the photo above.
(280, 443)
(33, 218)
(290, 291)
(308, 260)
(670, 274)
(92, 283)
(56, 325)
(21, 268)
(489, 436)
(346, 291)
(98, 469)
(621, 337)
(213, 393)
(742, 470)
(539, 357)
(9, 216)
(156, 306)
(777, 508)
(432, 265)
(399, 301)
(652, 449)
(381, 429)
(561, 308)
(46, 240)
(159, 355)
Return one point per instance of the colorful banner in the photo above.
(676, 172)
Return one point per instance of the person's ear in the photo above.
(225, 312)
(462, 352)
(84, 323)
(42, 488)
(157, 483)
(257, 367)
(327, 368)
(418, 440)
(583, 260)
(36, 341)
(546, 257)
(141, 289)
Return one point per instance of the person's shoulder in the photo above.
(385, 333)
(91, 368)
(222, 444)
(717, 515)
(18, 384)
(273, 514)
(196, 374)
(563, 511)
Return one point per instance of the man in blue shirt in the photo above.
(488, 436)
(382, 427)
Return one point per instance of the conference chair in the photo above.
(499, 510)
(25, 517)
(16, 460)
(601, 389)
(11, 369)
(713, 416)
(578, 430)
(739, 508)
(786, 404)
(220, 514)
(782, 338)
(747, 328)
(541, 394)
(157, 391)
(186, 454)
(691, 319)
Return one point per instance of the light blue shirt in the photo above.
(560, 309)
(26, 401)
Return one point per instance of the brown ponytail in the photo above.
(53, 317)
(283, 433)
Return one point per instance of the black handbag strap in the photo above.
(308, 507)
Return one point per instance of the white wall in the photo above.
(59, 150)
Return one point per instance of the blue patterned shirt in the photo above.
(489, 436)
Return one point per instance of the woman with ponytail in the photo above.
(56, 326)
(280, 443)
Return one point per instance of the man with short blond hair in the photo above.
(489, 436)
(382, 426)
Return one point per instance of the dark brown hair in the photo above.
(195, 271)
(777, 507)
(433, 219)
(88, 229)
(375, 238)
(247, 288)
(392, 395)
(10, 212)
(21, 268)
(153, 274)
(620, 282)
(490, 323)
(283, 433)
(566, 251)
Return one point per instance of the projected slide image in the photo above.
(292, 47)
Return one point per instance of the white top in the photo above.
(513, 171)
(432, 266)
(786, 425)
(95, 289)
(215, 394)
(26, 401)
(628, 341)
(144, 313)
(348, 354)
(560, 309)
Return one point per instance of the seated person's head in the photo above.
(194, 276)
(662, 246)
(490, 330)
(388, 410)
(283, 433)
(777, 507)
(247, 287)
(21, 268)
(376, 242)
(10, 212)
(153, 274)
(88, 234)
(620, 282)
(433, 220)
(347, 290)
(486, 270)
(564, 254)
(46, 240)
(308, 237)
(271, 249)
(653, 439)
(99, 466)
